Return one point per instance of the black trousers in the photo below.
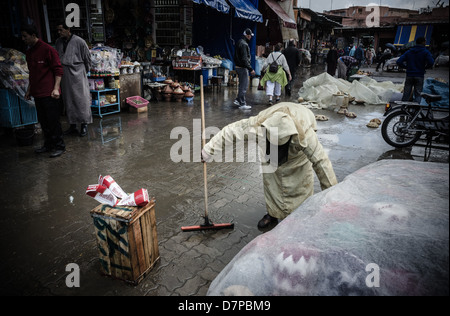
(48, 111)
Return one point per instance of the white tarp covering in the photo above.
(321, 88)
(384, 230)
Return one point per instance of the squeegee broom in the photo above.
(207, 225)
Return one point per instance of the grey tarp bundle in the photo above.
(392, 214)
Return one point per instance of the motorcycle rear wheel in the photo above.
(394, 130)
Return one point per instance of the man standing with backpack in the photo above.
(276, 68)
(243, 67)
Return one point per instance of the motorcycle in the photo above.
(407, 122)
(391, 65)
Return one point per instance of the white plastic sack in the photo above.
(384, 230)
(321, 88)
(362, 93)
(384, 90)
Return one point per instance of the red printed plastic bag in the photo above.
(102, 194)
(111, 184)
(138, 198)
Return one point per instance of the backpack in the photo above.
(273, 67)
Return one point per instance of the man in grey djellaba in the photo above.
(76, 61)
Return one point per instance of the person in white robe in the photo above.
(291, 129)
(76, 61)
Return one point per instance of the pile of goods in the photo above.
(364, 73)
(106, 61)
(211, 62)
(176, 91)
(13, 71)
(187, 63)
(129, 67)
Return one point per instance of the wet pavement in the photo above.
(46, 222)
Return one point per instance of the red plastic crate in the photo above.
(132, 101)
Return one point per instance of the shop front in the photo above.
(151, 40)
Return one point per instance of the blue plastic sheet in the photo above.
(228, 64)
(433, 86)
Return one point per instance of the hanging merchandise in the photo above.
(105, 60)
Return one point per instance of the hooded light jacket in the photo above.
(416, 60)
(288, 185)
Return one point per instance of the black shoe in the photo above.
(270, 102)
(41, 150)
(72, 130)
(266, 221)
(57, 152)
(83, 131)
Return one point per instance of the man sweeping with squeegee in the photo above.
(297, 151)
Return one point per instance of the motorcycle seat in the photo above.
(431, 97)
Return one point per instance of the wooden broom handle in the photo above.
(203, 144)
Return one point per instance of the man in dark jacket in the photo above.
(332, 58)
(293, 58)
(359, 55)
(415, 60)
(243, 67)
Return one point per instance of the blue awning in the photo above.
(409, 33)
(219, 5)
(245, 10)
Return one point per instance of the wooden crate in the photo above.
(127, 240)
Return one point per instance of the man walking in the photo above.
(76, 60)
(243, 67)
(45, 72)
(415, 60)
(293, 58)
